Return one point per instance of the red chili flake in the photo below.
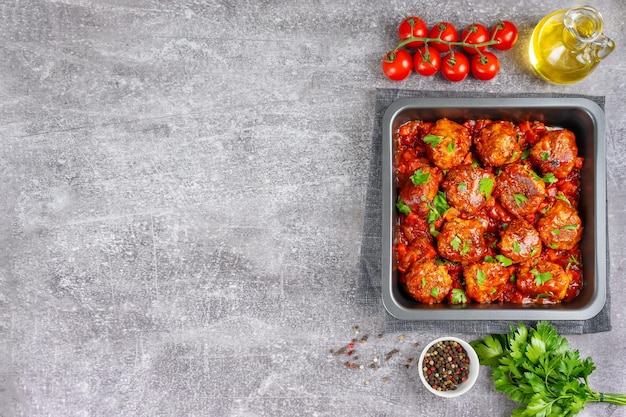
(351, 345)
(350, 352)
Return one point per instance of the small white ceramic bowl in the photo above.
(463, 387)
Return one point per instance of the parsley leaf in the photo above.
(506, 262)
(480, 277)
(402, 208)
(434, 292)
(541, 277)
(519, 199)
(432, 140)
(458, 296)
(455, 243)
(545, 156)
(438, 207)
(549, 178)
(462, 186)
(420, 177)
(516, 247)
(467, 244)
(485, 186)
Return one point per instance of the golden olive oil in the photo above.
(566, 45)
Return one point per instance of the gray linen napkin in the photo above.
(369, 280)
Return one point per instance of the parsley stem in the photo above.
(618, 399)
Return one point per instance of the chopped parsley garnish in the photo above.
(432, 140)
(485, 186)
(480, 277)
(402, 208)
(545, 156)
(541, 277)
(438, 208)
(466, 247)
(506, 262)
(549, 178)
(562, 198)
(462, 186)
(519, 199)
(420, 177)
(458, 296)
(516, 247)
(434, 292)
(455, 243)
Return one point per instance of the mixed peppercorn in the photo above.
(446, 365)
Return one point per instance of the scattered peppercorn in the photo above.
(445, 365)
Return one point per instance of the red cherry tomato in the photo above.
(455, 66)
(413, 26)
(427, 61)
(485, 66)
(397, 65)
(444, 31)
(505, 33)
(474, 34)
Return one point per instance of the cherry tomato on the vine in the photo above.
(485, 66)
(455, 66)
(398, 65)
(444, 31)
(413, 26)
(505, 33)
(475, 33)
(427, 61)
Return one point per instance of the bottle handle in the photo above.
(604, 46)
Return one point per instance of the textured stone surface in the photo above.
(183, 189)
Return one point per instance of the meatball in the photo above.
(560, 227)
(519, 189)
(543, 280)
(467, 188)
(419, 190)
(497, 144)
(485, 281)
(556, 152)
(462, 240)
(520, 241)
(428, 282)
(448, 143)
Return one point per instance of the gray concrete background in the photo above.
(182, 203)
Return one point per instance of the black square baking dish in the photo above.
(580, 115)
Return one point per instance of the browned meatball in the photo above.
(448, 143)
(462, 240)
(428, 282)
(485, 281)
(467, 187)
(519, 190)
(497, 144)
(560, 227)
(419, 190)
(543, 280)
(556, 152)
(520, 241)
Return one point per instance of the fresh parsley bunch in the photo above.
(537, 368)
